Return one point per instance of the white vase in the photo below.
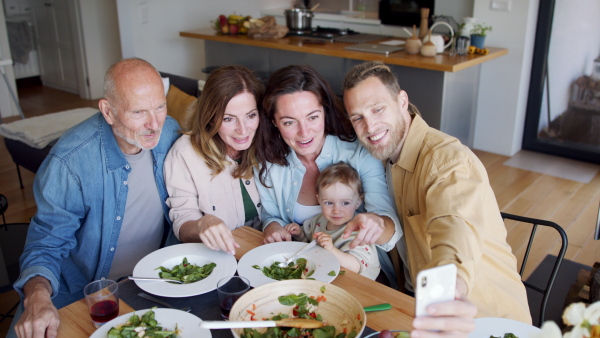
(469, 23)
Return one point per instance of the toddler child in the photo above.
(339, 192)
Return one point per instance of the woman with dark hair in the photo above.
(208, 171)
(304, 129)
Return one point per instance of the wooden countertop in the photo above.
(441, 62)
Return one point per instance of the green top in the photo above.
(249, 207)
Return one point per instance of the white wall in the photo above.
(504, 82)
(458, 9)
(158, 40)
(101, 41)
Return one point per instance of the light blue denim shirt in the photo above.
(80, 191)
(285, 182)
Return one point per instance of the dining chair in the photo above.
(559, 258)
(12, 243)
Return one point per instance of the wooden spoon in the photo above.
(300, 323)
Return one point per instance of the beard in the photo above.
(383, 152)
(137, 143)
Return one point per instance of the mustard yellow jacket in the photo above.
(450, 215)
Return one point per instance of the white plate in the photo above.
(187, 323)
(319, 260)
(196, 253)
(485, 327)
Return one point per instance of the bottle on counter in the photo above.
(424, 27)
(413, 44)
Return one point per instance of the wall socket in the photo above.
(500, 5)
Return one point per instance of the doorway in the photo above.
(563, 109)
(45, 44)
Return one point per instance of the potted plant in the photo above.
(478, 34)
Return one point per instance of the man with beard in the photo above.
(100, 196)
(448, 210)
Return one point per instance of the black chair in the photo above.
(561, 254)
(12, 243)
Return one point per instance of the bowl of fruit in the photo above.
(340, 313)
(235, 24)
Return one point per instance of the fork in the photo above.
(300, 252)
(158, 301)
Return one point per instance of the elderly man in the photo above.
(443, 197)
(100, 195)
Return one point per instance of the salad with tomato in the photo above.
(303, 307)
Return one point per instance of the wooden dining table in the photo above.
(75, 319)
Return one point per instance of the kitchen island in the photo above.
(443, 87)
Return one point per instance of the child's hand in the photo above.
(293, 228)
(324, 240)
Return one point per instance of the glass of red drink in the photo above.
(231, 289)
(102, 297)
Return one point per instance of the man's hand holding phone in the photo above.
(441, 307)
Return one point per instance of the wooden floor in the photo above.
(572, 205)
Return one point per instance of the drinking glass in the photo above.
(102, 298)
(231, 289)
(462, 45)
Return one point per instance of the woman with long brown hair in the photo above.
(303, 130)
(208, 171)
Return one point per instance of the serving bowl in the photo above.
(339, 308)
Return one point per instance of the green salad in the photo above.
(303, 308)
(146, 326)
(186, 272)
(506, 335)
(294, 270)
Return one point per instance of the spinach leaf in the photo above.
(186, 272)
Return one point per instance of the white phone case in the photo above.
(435, 285)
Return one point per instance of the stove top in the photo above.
(322, 33)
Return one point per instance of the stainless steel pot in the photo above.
(298, 19)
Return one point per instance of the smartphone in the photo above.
(435, 285)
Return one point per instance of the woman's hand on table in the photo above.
(274, 232)
(40, 316)
(369, 226)
(216, 235)
(450, 319)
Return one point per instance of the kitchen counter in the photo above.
(443, 87)
(441, 62)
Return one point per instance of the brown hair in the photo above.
(378, 69)
(340, 172)
(271, 148)
(221, 86)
